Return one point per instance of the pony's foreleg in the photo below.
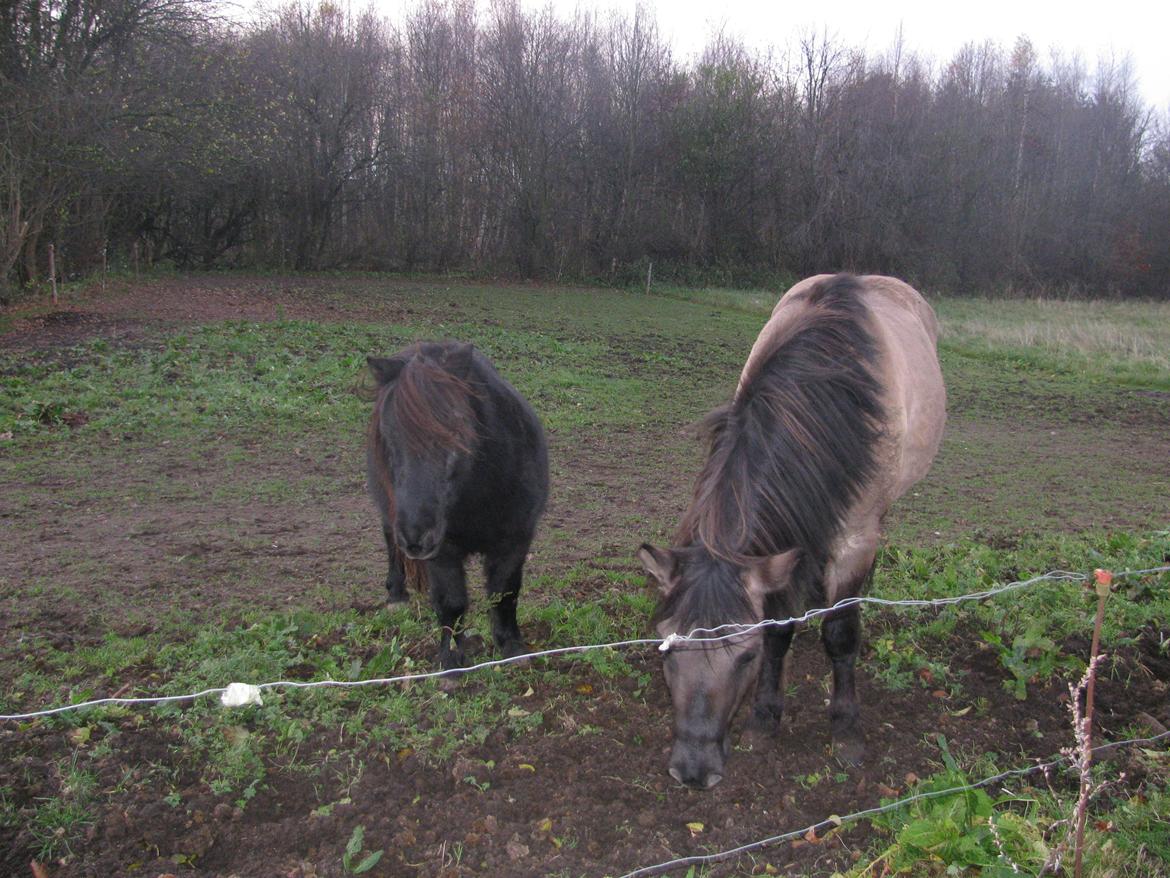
(504, 574)
(449, 598)
(396, 575)
(768, 706)
(841, 635)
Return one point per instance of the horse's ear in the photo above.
(385, 369)
(458, 358)
(772, 573)
(660, 564)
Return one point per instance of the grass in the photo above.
(215, 420)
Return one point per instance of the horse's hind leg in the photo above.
(449, 598)
(504, 574)
(841, 635)
(396, 575)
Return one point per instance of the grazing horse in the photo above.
(457, 465)
(839, 410)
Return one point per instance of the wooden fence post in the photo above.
(53, 272)
(1104, 579)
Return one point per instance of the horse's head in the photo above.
(426, 421)
(709, 680)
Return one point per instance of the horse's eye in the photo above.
(745, 659)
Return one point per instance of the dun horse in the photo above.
(839, 410)
(457, 464)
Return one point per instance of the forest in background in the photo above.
(491, 139)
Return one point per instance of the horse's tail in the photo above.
(415, 571)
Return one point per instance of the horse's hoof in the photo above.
(512, 648)
(765, 719)
(451, 682)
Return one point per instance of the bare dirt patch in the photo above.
(191, 537)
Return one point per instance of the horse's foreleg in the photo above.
(768, 707)
(449, 598)
(504, 574)
(396, 574)
(841, 635)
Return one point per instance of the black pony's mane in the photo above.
(431, 406)
(790, 454)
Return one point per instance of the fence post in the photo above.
(649, 276)
(1104, 579)
(53, 272)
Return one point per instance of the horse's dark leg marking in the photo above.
(841, 635)
(504, 574)
(769, 702)
(396, 575)
(449, 598)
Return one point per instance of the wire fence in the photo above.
(238, 693)
(836, 821)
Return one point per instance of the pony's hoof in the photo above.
(512, 648)
(450, 683)
(764, 720)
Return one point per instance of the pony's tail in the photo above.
(416, 572)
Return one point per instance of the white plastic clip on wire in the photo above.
(670, 640)
(239, 694)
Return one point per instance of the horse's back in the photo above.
(905, 331)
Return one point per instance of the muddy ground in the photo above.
(560, 801)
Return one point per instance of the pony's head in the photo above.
(424, 421)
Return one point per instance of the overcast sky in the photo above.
(934, 28)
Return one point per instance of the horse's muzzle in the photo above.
(420, 546)
(697, 766)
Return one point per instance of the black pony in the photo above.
(457, 464)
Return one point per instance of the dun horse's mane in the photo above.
(795, 448)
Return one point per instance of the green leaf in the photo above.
(355, 841)
(368, 863)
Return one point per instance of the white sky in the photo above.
(932, 28)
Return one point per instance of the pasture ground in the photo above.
(181, 491)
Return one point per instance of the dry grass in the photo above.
(1136, 333)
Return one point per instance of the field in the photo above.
(183, 506)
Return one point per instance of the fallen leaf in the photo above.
(585, 688)
(517, 712)
(527, 767)
(911, 778)
(939, 693)
(545, 825)
(695, 827)
(966, 710)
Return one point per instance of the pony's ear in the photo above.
(660, 564)
(385, 369)
(772, 573)
(457, 359)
